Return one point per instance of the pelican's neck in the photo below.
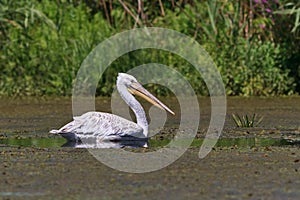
(135, 106)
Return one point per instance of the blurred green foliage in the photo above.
(255, 44)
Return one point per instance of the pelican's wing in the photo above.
(104, 126)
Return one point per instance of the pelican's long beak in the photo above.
(138, 89)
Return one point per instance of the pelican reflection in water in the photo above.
(109, 127)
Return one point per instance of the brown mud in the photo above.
(234, 171)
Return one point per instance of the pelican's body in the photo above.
(106, 126)
(103, 126)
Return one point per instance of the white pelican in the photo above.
(106, 126)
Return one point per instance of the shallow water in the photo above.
(56, 142)
(247, 163)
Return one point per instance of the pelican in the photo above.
(108, 127)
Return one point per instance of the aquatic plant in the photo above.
(246, 120)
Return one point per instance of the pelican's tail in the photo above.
(69, 136)
(54, 131)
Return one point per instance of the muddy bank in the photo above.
(260, 173)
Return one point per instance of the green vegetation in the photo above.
(247, 121)
(255, 44)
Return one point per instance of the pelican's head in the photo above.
(135, 88)
(126, 79)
